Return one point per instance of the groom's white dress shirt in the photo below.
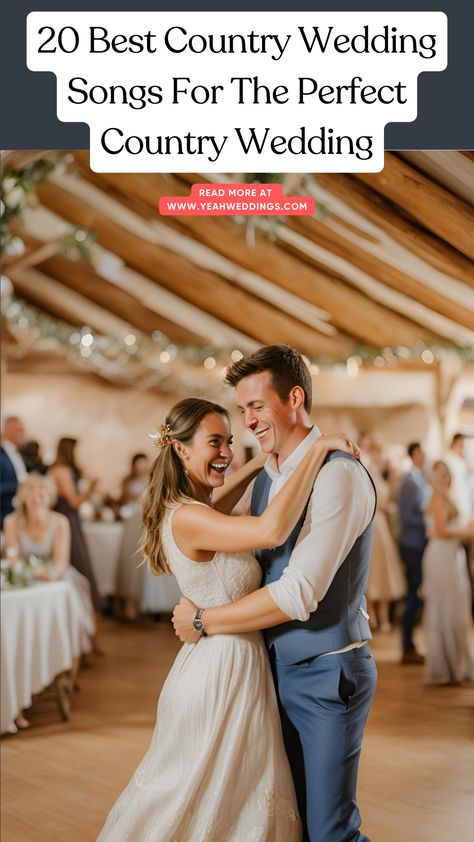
(340, 509)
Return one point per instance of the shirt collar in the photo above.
(293, 459)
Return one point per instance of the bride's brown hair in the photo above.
(168, 483)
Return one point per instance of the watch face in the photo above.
(198, 625)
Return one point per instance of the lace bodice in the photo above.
(226, 578)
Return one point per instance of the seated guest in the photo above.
(31, 454)
(135, 482)
(12, 466)
(35, 530)
(446, 587)
(66, 475)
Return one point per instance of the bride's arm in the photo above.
(225, 498)
(202, 528)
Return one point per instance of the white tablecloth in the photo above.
(40, 637)
(160, 593)
(104, 541)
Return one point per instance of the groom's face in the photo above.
(270, 419)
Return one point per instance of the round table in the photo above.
(39, 639)
(104, 541)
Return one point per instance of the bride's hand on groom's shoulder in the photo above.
(182, 619)
(338, 441)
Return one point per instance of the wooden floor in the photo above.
(60, 779)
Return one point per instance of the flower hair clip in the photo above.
(161, 438)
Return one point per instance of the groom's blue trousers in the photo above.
(324, 704)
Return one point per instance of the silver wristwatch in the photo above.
(198, 624)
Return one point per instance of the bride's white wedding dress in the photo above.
(216, 769)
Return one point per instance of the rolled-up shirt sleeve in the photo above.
(341, 507)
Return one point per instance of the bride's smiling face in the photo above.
(209, 454)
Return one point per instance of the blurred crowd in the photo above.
(422, 554)
(423, 538)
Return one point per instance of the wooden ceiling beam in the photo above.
(52, 297)
(449, 168)
(433, 206)
(386, 273)
(375, 324)
(179, 274)
(373, 207)
(81, 277)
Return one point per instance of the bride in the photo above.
(216, 769)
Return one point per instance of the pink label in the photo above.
(237, 200)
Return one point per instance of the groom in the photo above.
(313, 603)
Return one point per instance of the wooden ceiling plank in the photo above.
(375, 325)
(398, 301)
(81, 278)
(450, 168)
(319, 231)
(202, 255)
(433, 206)
(202, 288)
(54, 298)
(49, 227)
(373, 207)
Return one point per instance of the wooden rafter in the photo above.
(80, 277)
(433, 206)
(53, 298)
(381, 270)
(373, 324)
(178, 273)
(372, 206)
(452, 170)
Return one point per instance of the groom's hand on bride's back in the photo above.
(182, 619)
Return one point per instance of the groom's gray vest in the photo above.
(341, 617)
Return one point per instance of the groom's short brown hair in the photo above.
(286, 366)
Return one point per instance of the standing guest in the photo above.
(12, 466)
(131, 570)
(461, 481)
(66, 476)
(413, 500)
(386, 582)
(31, 454)
(446, 587)
(135, 482)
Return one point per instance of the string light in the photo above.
(139, 360)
